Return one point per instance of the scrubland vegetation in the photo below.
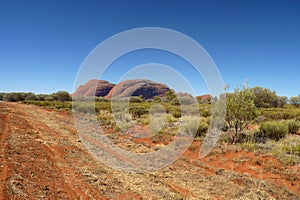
(256, 118)
(257, 155)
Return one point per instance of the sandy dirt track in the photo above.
(42, 157)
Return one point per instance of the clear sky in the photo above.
(43, 43)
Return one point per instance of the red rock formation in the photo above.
(148, 89)
(205, 97)
(94, 87)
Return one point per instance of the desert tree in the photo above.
(295, 101)
(264, 97)
(62, 96)
(1, 96)
(13, 97)
(241, 110)
(281, 101)
(29, 96)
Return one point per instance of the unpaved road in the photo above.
(42, 157)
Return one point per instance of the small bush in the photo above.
(281, 113)
(105, 118)
(170, 118)
(84, 108)
(116, 128)
(122, 120)
(203, 128)
(103, 106)
(145, 120)
(137, 112)
(123, 117)
(249, 136)
(157, 123)
(259, 147)
(190, 110)
(135, 99)
(225, 137)
(288, 150)
(101, 99)
(249, 146)
(176, 114)
(272, 130)
(198, 127)
(293, 126)
(157, 99)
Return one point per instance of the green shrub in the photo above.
(1, 96)
(106, 106)
(205, 113)
(293, 126)
(175, 102)
(259, 147)
(281, 113)
(144, 120)
(196, 126)
(122, 120)
(272, 130)
(84, 108)
(136, 99)
(170, 118)
(157, 99)
(62, 96)
(176, 114)
(203, 128)
(105, 118)
(249, 136)
(249, 146)
(137, 112)
(122, 117)
(50, 104)
(102, 99)
(190, 110)
(116, 128)
(157, 123)
(288, 150)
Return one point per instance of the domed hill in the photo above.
(205, 98)
(94, 87)
(148, 89)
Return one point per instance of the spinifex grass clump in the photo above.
(293, 126)
(273, 130)
(288, 150)
(194, 125)
(280, 113)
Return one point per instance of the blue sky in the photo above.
(43, 43)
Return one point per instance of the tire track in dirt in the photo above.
(143, 186)
(62, 132)
(5, 129)
(73, 183)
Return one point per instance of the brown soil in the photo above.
(42, 157)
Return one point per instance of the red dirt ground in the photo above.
(42, 157)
